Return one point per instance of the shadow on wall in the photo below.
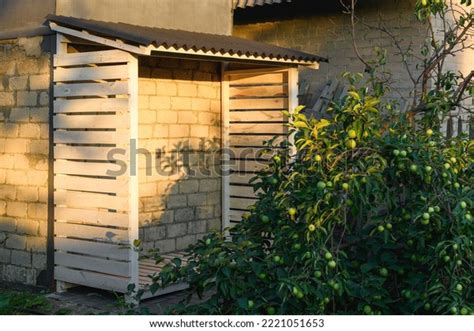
(179, 193)
(187, 203)
(24, 144)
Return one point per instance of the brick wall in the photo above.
(462, 62)
(328, 34)
(179, 114)
(24, 100)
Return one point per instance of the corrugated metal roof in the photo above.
(180, 39)
(253, 3)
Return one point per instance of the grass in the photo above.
(27, 302)
(21, 303)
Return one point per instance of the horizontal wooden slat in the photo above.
(242, 191)
(269, 78)
(251, 153)
(111, 267)
(90, 89)
(236, 215)
(66, 182)
(261, 128)
(257, 116)
(88, 137)
(90, 122)
(247, 165)
(271, 103)
(91, 105)
(86, 168)
(251, 140)
(112, 56)
(241, 178)
(90, 200)
(241, 203)
(91, 279)
(83, 152)
(90, 232)
(258, 91)
(90, 73)
(91, 216)
(173, 288)
(111, 251)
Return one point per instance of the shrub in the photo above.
(369, 216)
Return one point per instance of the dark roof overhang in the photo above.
(148, 41)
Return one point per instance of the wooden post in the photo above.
(471, 127)
(61, 48)
(449, 128)
(225, 147)
(292, 103)
(133, 179)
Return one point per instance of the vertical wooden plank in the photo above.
(471, 127)
(133, 181)
(449, 128)
(225, 147)
(292, 103)
(61, 48)
(460, 126)
(61, 44)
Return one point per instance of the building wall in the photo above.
(327, 32)
(462, 62)
(24, 14)
(179, 115)
(211, 16)
(26, 17)
(24, 104)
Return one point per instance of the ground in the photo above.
(77, 301)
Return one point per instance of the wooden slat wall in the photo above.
(256, 99)
(457, 124)
(92, 115)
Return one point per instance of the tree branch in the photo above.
(462, 87)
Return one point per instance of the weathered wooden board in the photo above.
(241, 203)
(89, 184)
(257, 116)
(110, 251)
(90, 122)
(91, 105)
(88, 216)
(86, 153)
(251, 153)
(96, 233)
(258, 91)
(236, 215)
(88, 200)
(251, 140)
(88, 137)
(83, 262)
(241, 178)
(101, 57)
(258, 79)
(91, 73)
(104, 169)
(91, 89)
(91, 279)
(242, 191)
(247, 165)
(259, 128)
(269, 103)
